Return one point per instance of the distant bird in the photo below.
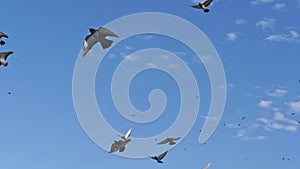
(171, 141)
(203, 6)
(97, 36)
(243, 118)
(3, 57)
(298, 121)
(207, 166)
(9, 93)
(292, 114)
(239, 124)
(2, 35)
(160, 157)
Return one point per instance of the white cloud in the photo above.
(257, 2)
(126, 47)
(244, 135)
(291, 36)
(231, 85)
(278, 93)
(279, 6)
(295, 106)
(266, 23)
(232, 36)
(240, 21)
(265, 103)
(279, 122)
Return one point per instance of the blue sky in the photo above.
(257, 40)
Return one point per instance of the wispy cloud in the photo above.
(279, 6)
(240, 21)
(244, 135)
(266, 23)
(265, 103)
(258, 2)
(279, 122)
(232, 36)
(294, 106)
(277, 93)
(291, 36)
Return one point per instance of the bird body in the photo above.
(97, 36)
(203, 5)
(160, 157)
(2, 35)
(3, 57)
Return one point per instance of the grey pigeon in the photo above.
(171, 141)
(97, 36)
(160, 157)
(119, 146)
(3, 57)
(203, 5)
(2, 35)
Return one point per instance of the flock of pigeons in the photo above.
(120, 145)
(4, 55)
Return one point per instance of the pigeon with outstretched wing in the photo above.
(203, 5)
(171, 141)
(160, 157)
(97, 36)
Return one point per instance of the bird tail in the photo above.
(106, 44)
(206, 10)
(2, 42)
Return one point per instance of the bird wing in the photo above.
(164, 141)
(127, 135)
(207, 166)
(196, 6)
(105, 32)
(4, 55)
(89, 42)
(175, 139)
(208, 2)
(160, 157)
(3, 35)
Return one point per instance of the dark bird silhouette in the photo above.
(171, 141)
(244, 118)
(292, 114)
(9, 93)
(160, 157)
(97, 36)
(3, 57)
(2, 35)
(298, 121)
(203, 5)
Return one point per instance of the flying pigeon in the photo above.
(160, 157)
(207, 166)
(2, 35)
(3, 57)
(171, 141)
(118, 146)
(97, 36)
(203, 5)
(127, 135)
